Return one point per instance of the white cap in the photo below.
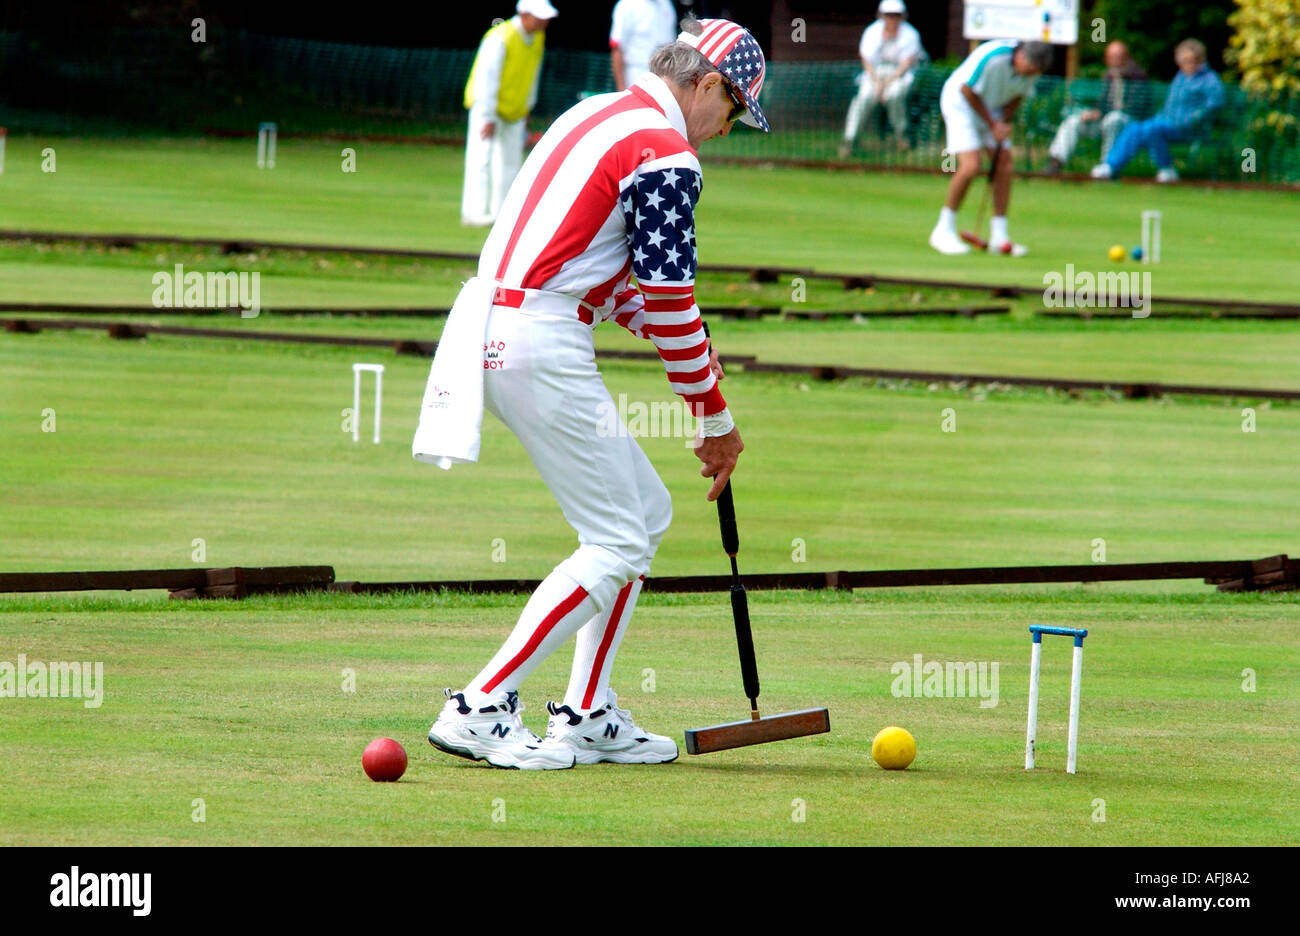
(891, 6)
(542, 9)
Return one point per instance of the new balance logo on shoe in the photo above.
(500, 730)
(611, 730)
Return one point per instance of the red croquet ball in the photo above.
(1006, 248)
(384, 760)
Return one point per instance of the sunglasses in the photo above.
(738, 107)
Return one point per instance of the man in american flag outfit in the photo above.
(607, 197)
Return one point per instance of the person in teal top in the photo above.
(978, 103)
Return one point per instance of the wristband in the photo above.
(719, 424)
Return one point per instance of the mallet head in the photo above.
(758, 731)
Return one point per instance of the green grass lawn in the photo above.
(407, 196)
(1242, 244)
(1236, 354)
(239, 705)
(1222, 353)
(123, 454)
(242, 445)
(101, 273)
(243, 707)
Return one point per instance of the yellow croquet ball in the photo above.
(893, 748)
(1118, 253)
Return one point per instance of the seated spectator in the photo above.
(1123, 98)
(889, 50)
(1194, 97)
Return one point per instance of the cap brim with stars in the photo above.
(737, 56)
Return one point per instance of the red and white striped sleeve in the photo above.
(659, 212)
(629, 310)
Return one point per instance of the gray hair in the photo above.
(680, 64)
(1194, 46)
(1038, 54)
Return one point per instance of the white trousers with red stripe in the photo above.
(541, 381)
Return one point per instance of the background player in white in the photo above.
(609, 192)
(979, 102)
(636, 29)
(890, 50)
(499, 94)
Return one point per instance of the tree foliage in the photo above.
(1265, 50)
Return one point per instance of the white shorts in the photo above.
(966, 130)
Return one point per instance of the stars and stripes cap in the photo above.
(737, 56)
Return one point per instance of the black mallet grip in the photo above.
(739, 601)
(745, 643)
(727, 521)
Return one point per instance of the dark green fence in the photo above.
(155, 81)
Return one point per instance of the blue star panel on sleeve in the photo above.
(659, 212)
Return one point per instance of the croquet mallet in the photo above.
(973, 238)
(756, 729)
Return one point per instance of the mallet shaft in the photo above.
(988, 195)
(739, 601)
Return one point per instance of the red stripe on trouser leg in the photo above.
(597, 645)
(539, 634)
(606, 639)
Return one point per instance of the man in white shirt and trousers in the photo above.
(499, 95)
(637, 28)
(890, 49)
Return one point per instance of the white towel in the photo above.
(451, 416)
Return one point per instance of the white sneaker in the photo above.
(946, 242)
(1167, 175)
(606, 734)
(494, 733)
(1008, 248)
(1102, 171)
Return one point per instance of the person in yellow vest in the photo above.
(501, 90)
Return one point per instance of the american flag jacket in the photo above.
(607, 197)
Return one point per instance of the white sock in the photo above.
(998, 230)
(475, 699)
(947, 220)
